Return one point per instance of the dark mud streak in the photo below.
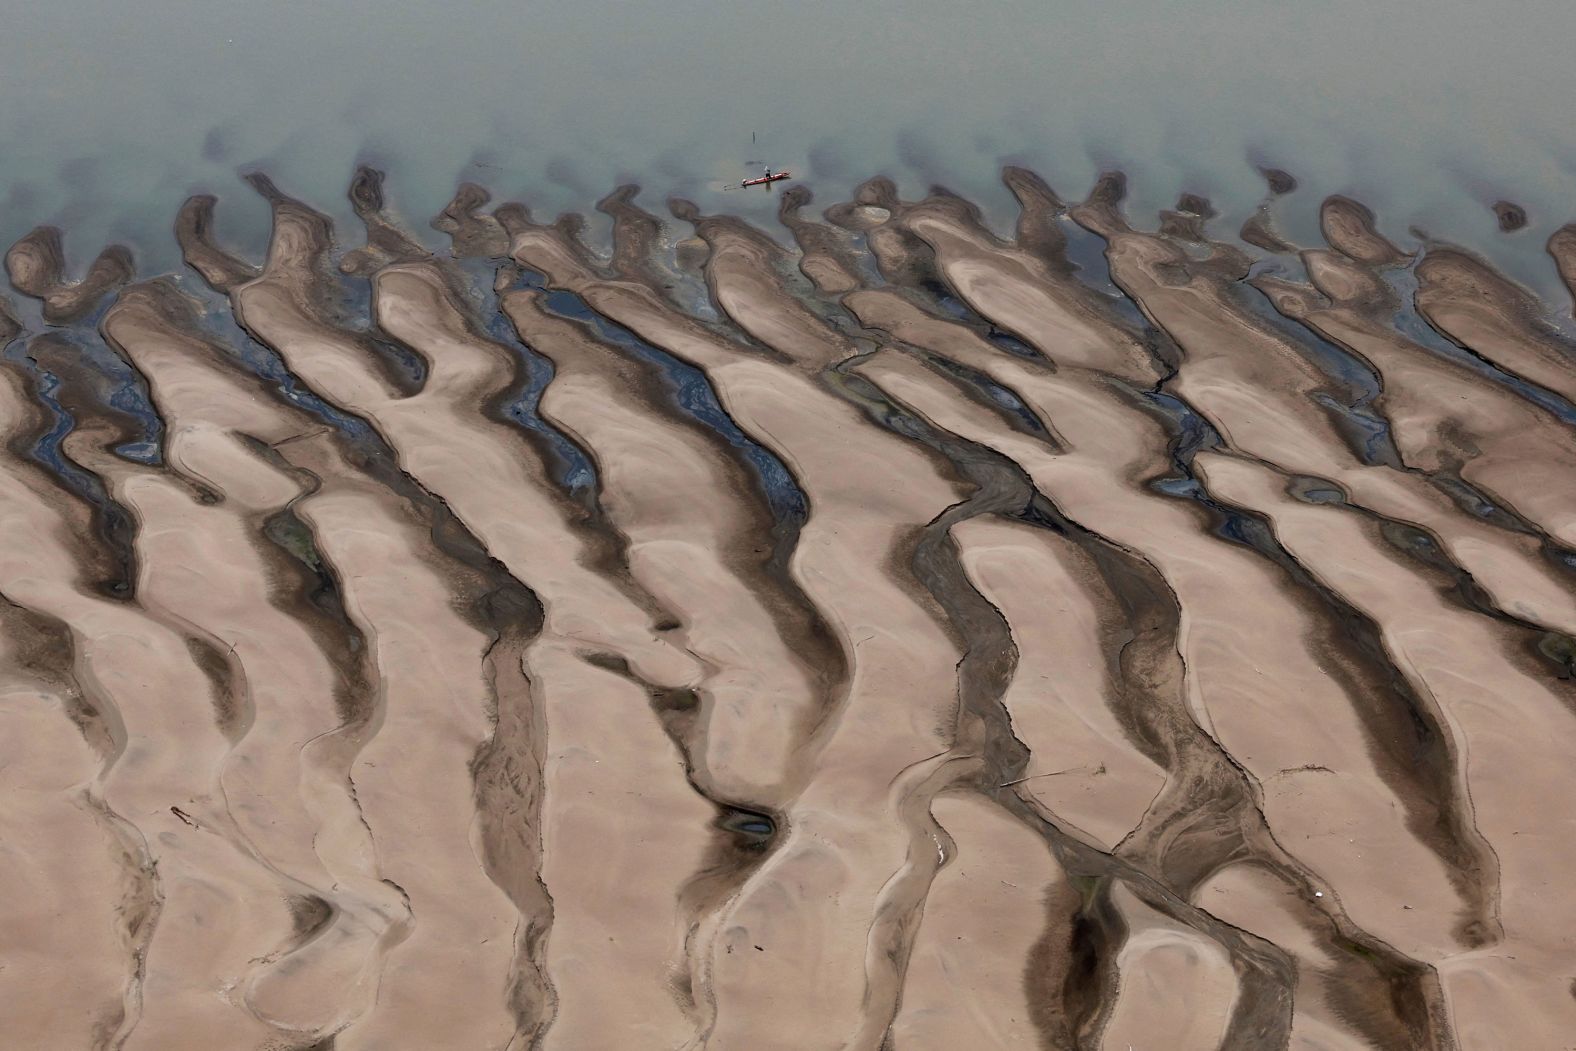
(371, 446)
(761, 566)
(1414, 1005)
(1419, 756)
(195, 235)
(1042, 218)
(1561, 248)
(1439, 810)
(516, 219)
(386, 242)
(777, 262)
(472, 236)
(508, 773)
(739, 847)
(1425, 555)
(305, 585)
(136, 914)
(1085, 956)
(1410, 322)
(819, 646)
(1464, 590)
(901, 257)
(324, 295)
(1206, 808)
(87, 397)
(10, 327)
(1352, 384)
(1205, 818)
(44, 647)
(1350, 227)
(1040, 212)
(1072, 1009)
(109, 565)
(507, 769)
(517, 403)
(834, 376)
(928, 558)
(37, 267)
(1510, 217)
(1450, 275)
(744, 833)
(1193, 827)
(1178, 828)
(691, 393)
(83, 397)
(1212, 809)
(828, 256)
(141, 898)
(606, 546)
(994, 397)
(636, 236)
(982, 728)
(1414, 1002)
(302, 585)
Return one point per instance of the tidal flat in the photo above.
(872, 628)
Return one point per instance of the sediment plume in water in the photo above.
(878, 632)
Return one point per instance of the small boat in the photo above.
(765, 180)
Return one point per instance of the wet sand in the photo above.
(876, 632)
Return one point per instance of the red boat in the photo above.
(767, 179)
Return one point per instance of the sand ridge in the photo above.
(887, 634)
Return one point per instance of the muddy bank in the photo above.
(875, 632)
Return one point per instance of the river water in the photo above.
(1428, 111)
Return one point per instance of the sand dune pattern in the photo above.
(872, 633)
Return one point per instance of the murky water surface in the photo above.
(114, 114)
